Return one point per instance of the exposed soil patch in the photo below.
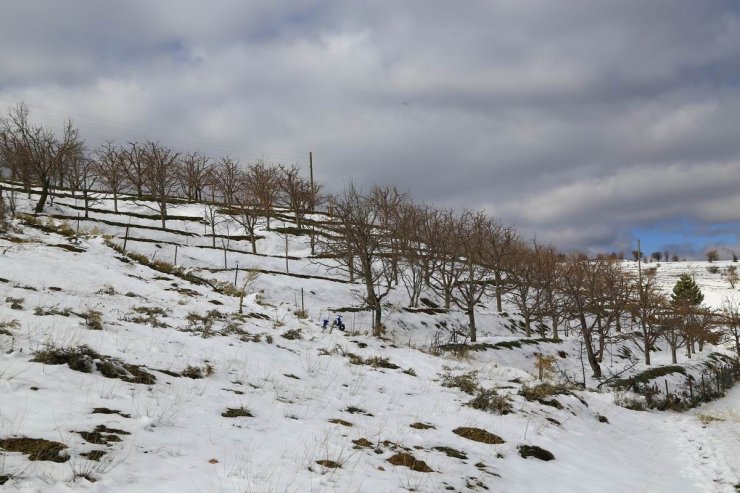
(105, 410)
(69, 248)
(451, 452)
(408, 460)
(342, 422)
(85, 360)
(237, 412)
(362, 443)
(478, 435)
(36, 448)
(328, 463)
(357, 410)
(95, 455)
(422, 426)
(536, 452)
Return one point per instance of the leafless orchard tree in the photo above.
(583, 288)
(227, 173)
(82, 176)
(109, 162)
(265, 182)
(355, 226)
(412, 258)
(473, 278)
(441, 236)
(194, 174)
(135, 165)
(246, 211)
(502, 242)
(37, 151)
(731, 321)
(551, 304)
(161, 174)
(646, 306)
(523, 277)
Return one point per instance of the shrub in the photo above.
(467, 382)
(93, 319)
(292, 334)
(489, 400)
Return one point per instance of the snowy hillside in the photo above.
(122, 372)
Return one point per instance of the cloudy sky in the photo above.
(587, 123)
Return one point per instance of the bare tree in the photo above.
(355, 227)
(473, 279)
(440, 237)
(731, 276)
(37, 150)
(646, 307)
(82, 176)
(109, 162)
(247, 214)
(583, 288)
(194, 174)
(265, 183)
(712, 255)
(135, 165)
(298, 195)
(161, 174)
(411, 252)
(227, 173)
(731, 321)
(551, 303)
(523, 277)
(503, 242)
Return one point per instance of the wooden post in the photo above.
(703, 389)
(78, 224)
(175, 263)
(691, 390)
(125, 237)
(310, 168)
(667, 395)
(303, 308)
(287, 270)
(236, 273)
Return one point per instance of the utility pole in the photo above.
(310, 168)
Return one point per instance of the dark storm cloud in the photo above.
(575, 120)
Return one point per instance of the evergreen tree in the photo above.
(686, 291)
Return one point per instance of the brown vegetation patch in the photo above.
(84, 359)
(95, 455)
(342, 422)
(478, 435)
(451, 452)
(36, 448)
(328, 463)
(362, 443)
(422, 426)
(408, 460)
(237, 412)
(536, 452)
(105, 410)
(357, 410)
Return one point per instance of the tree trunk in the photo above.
(497, 276)
(471, 322)
(554, 319)
(163, 210)
(674, 358)
(115, 202)
(42, 199)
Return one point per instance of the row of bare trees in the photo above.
(37, 157)
(383, 239)
(380, 238)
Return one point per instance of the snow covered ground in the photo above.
(280, 405)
